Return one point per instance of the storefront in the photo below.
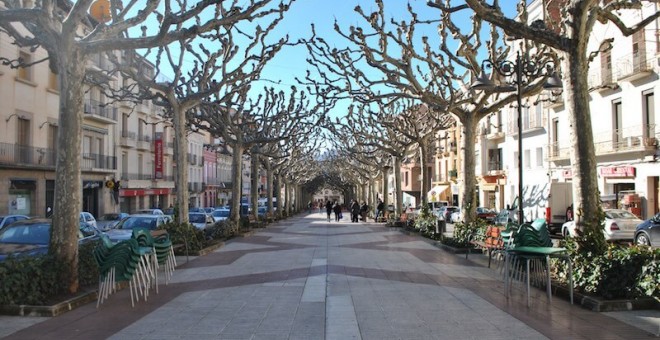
(135, 199)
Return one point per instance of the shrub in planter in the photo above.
(621, 272)
(35, 280)
(186, 234)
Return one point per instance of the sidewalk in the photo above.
(306, 278)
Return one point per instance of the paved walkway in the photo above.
(306, 278)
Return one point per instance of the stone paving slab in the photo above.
(306, 278)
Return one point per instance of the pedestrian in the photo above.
(355, 211)
(337, 209)
(328, 209)
(309, 207)
(379, 209)
(364, 210)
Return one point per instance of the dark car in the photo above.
(648, 232)
(9, 219)
(109, 221)
(486, 214)
(124, 229)
(31, 237)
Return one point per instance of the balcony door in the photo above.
(617, 138)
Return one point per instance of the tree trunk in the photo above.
(398, 199)
(280, 200)
(68, 181)
(269, 186)
(469, 179)
(181, 145)
(424, 185)
(254, 183)
(237, 188)
(385, 185)
(586, 197)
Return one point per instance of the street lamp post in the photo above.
(525, 70)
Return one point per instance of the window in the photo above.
(539, 157)
(52, 136)
(53, 81)
(140, 167)
(606, 67)
(99, 146)
(616, 122)
(86, 146)
(23, 133)
(25, 73)
(527, 159)
(648, 107)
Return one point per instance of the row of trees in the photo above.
(422, 69)
(228, 43)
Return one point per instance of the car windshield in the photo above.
(26, 234)
(221, 213)
(139, 222)
(110, 217)
(620, 215)
(197, 218)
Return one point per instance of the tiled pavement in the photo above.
(305, 278)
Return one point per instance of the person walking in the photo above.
(328, 209)
(355, 211)
(337, 209)
(364, 210)
(379, 209)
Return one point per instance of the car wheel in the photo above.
(642, 239)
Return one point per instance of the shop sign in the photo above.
(618, 171)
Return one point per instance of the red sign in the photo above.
(143, 192)
(158, 151)
(618, 171)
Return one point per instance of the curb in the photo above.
(49, 311)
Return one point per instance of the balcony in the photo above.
(128, 139)
(493, 132)
(26, 156)
(169, 149)
(634, 66)
(100, 112)
(97, 162)
(495, 168)
(131, 176)
(641, 139)
(144, 142)
(531, 122)
(100, 62)
(602, 81)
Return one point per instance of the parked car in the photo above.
(9, 219)
(445, 212)
(88, 218)
(619, 225)
(456, 216)
(209, 210)
(169, 211)
(486, 214)
(200, 220)
(124, 229)
(109, 221)
(220, 214)
(152, 211)
(30, 237)
(648, 232)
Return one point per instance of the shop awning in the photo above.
(436, 191)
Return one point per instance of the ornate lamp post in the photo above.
(524, 70)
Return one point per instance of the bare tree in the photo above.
(570, 35)
(71, 36)
(387, 61)
(271, 116)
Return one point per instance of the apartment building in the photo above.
(624, 115)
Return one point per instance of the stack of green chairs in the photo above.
(120, 262)
(161, 252)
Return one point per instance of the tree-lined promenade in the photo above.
(403, 79)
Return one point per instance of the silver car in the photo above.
(124, 229)
(619, 225)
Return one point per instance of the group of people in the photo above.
(358, 211)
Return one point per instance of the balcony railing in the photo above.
(14, 154)
(96, 161)
(495, 166)
(602, 80)
(131, 176)
(96, 108)
(531, 121)
(634, 66)
(640, 138)
(128, 134)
